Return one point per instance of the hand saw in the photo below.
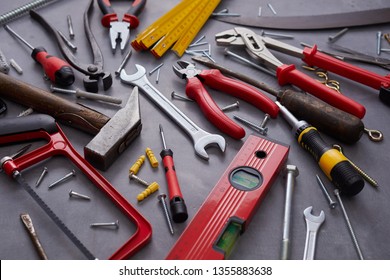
(40, 126)
(229, 208)
(309, 22)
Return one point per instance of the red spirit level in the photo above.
(228, 209)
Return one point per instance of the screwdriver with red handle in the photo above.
(176, 201)
(56, 69)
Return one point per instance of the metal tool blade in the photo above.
(324, 21)
(18, 177)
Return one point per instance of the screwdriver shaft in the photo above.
(6, 27)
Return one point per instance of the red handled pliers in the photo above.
(120, 30)
(257, 47)
(214, 79)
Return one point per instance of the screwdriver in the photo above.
(56, 69)
(334, 164)
(331, 120)
(176, 201)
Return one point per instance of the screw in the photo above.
(271, 8)
(138, 179)
(292, 172)
(123, 63)
(70, 27)
(243, 59)
(337, 194)
(279, 35)
(197, 44)
(200, 39)
(75, 194)
(265, 121)
(155, 69)
(260, 129)
(378, 42)
(161, 198)
(206, 54)
(332, 203)
(113, 224)
(231, 106)
(365, 176)
(67, 176)
(178, 96)
(44, 172)
(333, 38)
(158, 75)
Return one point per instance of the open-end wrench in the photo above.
(200, 138)
(313, 223)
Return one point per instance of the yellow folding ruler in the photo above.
(176, 28)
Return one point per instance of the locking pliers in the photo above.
(257, 47)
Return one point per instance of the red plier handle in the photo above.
(321, 60)
(288, 74)
(130, 16)
(214, 79)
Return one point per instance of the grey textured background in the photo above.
(368, 211)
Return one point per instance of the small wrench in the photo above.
(313, 223)
(200, 138)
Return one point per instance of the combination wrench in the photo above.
(313, 223)
(200, 138)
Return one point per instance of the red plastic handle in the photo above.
(56, 69)
(170, 174)
(195, 90)
(371, 79)
(214, 79)
(287, 74)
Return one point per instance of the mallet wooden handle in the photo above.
(45, 102)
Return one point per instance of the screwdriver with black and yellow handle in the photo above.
(56, 69)
(333, 163)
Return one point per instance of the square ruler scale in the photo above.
(177, 28)
(230, 206)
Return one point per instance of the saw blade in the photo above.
(309, 22)
(18, 177)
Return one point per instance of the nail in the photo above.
(66, 177)
(44, 172)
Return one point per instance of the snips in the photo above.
(93, 71)
(214, 79)
(257, 47)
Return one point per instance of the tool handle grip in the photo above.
(326, 118)
(108, 12)
(195, 90)
(287, 74)
(135, 9)
(45, 102)
(216, 80)
(56, 69)
(178, 207)
(327, 62)
(333, 163)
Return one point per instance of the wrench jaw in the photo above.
(313, 223)
(130, 79)
(314, 219)
(204, 141)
